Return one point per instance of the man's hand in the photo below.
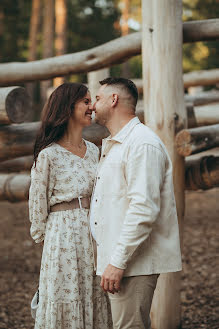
(111, 278)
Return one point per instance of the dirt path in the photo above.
(20, 261)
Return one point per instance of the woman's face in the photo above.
(83, 111)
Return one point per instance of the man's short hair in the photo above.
(126, 84)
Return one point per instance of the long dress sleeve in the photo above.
(38, 197)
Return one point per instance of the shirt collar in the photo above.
(124, 132)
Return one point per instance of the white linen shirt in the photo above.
(133, 212)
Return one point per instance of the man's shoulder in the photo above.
(142, 134)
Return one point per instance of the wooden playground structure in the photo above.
(186, 124)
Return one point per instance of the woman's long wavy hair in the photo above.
(56, 113)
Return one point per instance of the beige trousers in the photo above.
(131, 306)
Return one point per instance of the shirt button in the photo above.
(96, 200)
(95, 223)
(104, 156)
(98, 177)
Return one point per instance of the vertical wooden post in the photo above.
(165, 114)
(93, 81)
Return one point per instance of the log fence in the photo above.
(165, 114)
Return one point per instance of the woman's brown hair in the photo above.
(56, 113)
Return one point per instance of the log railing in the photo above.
(108, 54)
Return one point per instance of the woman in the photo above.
(62, 179)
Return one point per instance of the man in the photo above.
(133, 213)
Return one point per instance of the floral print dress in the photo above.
(70, 295)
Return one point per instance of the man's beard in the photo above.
(100, 121)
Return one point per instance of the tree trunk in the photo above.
(202, 173)
(195, 140)
(61, 33)
(113, 52)
(15, 105)
(48, 42)
(163, 103)
(33, 39)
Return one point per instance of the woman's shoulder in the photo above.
(47, 152)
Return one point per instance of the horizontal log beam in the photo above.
(108, 54)
(202, 98)
(18, 140)
(14, 187)
(206, 114)
(15, 105)
(201, 78)
(16, 165)
(202, 173)
(195, 140)
(205, 30)
(197, 116)
(192, 79)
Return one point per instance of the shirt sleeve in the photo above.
(145, 171)
(38, 197)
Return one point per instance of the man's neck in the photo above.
(116, 124)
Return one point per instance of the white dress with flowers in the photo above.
(70, 295)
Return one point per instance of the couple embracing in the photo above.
(108, 223)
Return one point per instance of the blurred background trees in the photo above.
(36, 29)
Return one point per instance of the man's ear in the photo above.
(115, 100)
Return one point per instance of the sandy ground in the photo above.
(20, 261)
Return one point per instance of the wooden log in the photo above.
(195, 140)
(197, 115)
(16, 165)
(205, 30)
(93, 81)
(14, 187)
(206, 115)
(201, 78)
(18, 140)
(108, 54)
(164, 113)
(15, 105)
(203, 98)
(195, 78)
(202, 173)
